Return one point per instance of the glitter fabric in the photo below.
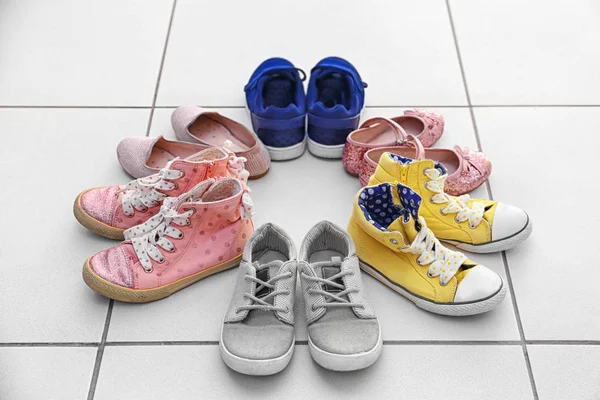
(473, 167)
(100, 203)
(352, 157)
(114, 265)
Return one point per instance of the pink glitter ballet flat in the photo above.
(197, 125)
(426, 126)
(467, 169)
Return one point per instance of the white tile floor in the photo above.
(517, 79)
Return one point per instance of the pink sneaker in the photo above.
(109, 210)
(467, 170)
(426, 126)
(197, 125)
(193, 236)
(142, 156)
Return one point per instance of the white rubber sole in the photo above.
(345, 362)
(324, 151)
(496, 246)
(256, 367)
(451, 309)
(287, 153)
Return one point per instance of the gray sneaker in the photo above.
(258, 330)
(343, 331)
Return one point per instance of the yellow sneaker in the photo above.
(478, 226)
(395, 246)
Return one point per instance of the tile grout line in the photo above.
(490, 194)
(100, 353)
(160, 69)
(302, 342)
(150, 107)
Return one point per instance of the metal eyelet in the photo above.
(424, 172)
(180, 235)
(170, 251)
(442, 211)
(457, 221)
(393, 241)
(287, 310)
(182, 174)
(162, 260)
(148, 270)
(472, 227)
(431, 199)
(192, 209)
(130, 216)
(418, 262)
(176, 186)
(443, 284)
(429, 275)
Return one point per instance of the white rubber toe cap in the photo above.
(480, 283)
(508, 221)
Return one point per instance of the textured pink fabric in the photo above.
(105, 204)
(100, 203)
(115, 265)
(215, 236)
(472, 167)
(258, 159)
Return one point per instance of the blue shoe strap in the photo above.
(358, 83)
(252, 84)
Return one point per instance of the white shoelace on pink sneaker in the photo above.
(465, 211)
(143, 193)
(147, 237)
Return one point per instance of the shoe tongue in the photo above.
(264, 272)
(407, 223)
(327, 269)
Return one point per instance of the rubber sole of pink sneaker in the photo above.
(116, 292)
(94, 225)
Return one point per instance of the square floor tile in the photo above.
(51, 373)
(403, 49)
(551, 176)
(529, 52)
(409, 372)
(50, 156)
(566, 372)
(81, 53)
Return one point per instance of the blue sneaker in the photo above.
(334, 100)
(277, 105)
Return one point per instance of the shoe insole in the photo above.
(159, 158)
(278, 92)
(334, 89)
(266, 256)
(214, 133)
(411, 125)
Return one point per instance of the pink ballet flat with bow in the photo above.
(467, 169)
(426, 126)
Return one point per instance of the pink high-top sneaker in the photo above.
(193, 236)
(109, 210)
(426, 126)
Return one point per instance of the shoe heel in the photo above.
(327, 136)
(285, 139)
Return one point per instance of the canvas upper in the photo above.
(203, 228)
(122, 207)
(277, 103)
(334, 99)
(340, 319)
(259, 324)
(393, 241)
(484, 225)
